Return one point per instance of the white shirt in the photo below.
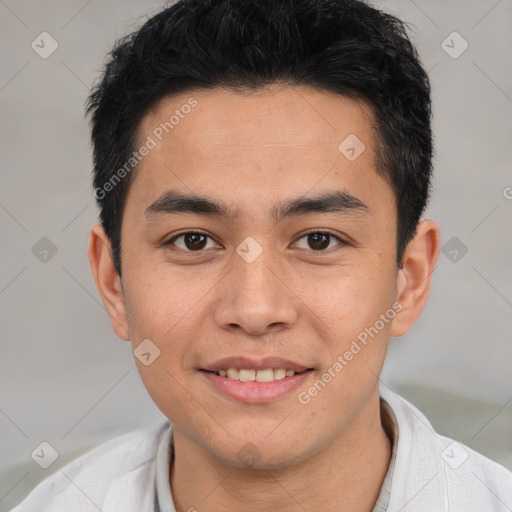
(427, 473)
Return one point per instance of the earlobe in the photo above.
(415, 275)
(107, 280)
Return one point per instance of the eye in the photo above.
(193, 241)
(320, 240)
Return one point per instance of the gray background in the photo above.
(67, 379)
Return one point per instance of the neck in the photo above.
(347, 475)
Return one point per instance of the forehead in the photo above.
(273, 117)
(257, 145)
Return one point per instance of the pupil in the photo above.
(316, 244)
(195, 238)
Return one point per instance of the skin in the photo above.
(252, 151)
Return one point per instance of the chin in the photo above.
(248, 459)
(260, 453)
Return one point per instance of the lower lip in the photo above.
(256, 392)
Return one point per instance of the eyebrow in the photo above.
(174, 202)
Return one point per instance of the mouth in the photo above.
(255, 386)
(253, 375)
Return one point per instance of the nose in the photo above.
(255, 297)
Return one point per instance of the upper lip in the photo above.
(243, 362)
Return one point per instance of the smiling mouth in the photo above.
(251, 375)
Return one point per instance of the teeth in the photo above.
(233, 373)
(280, 373)
(249, 375)
(264, 375)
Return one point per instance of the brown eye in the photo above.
(192, 241)
(320, 240)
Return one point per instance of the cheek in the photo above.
(352, 301)
(152, 317)
(162, 311)
(348, 314)
(159, 301)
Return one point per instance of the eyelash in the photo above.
(312, 232)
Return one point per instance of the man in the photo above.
(261, 169)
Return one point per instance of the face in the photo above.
(266, 278)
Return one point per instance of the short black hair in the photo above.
(342, 46)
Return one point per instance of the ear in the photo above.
(415, 274)
(107, 280)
